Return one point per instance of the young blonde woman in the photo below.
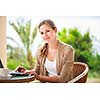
(54, 59)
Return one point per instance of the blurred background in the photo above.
(82, 32)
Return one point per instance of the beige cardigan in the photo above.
(64, 63)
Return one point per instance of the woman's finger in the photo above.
(20, 69)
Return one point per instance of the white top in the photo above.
(51, 67)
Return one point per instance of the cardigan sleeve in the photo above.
(67, 67)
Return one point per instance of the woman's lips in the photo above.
(46, 38)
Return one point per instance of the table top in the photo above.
(21, 79)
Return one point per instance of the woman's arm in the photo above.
(67, 67)
(51, 79)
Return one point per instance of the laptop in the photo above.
(1, 65)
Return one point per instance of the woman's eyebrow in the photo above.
(40, 31)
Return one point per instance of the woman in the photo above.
(54, 59)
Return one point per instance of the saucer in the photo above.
(5, 77)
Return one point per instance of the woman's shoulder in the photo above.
(65, 45)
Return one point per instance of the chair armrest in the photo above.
(79, 76)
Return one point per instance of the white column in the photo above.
(3, 55)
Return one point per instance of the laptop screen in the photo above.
(1, 65)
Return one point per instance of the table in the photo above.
(21, 79)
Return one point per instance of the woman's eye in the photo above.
(47, 31)
(41, 32)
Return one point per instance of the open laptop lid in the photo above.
(1, 65)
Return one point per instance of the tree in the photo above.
(82, 45)
(26, 36)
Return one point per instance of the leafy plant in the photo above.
(27, 37)
(82, 45)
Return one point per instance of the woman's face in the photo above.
(47, 33)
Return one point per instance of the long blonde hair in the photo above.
(44, 49)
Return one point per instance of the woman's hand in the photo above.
(30, 72)
(20, 69)
(33, 73)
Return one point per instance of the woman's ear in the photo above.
(55, 29)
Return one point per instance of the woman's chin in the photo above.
(46, 41)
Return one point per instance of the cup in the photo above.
(4, 72)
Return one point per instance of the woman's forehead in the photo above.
(45, 27)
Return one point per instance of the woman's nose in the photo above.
(45, 34)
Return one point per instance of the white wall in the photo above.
(3, 40)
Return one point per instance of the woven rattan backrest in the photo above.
(78, 68)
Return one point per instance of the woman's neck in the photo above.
(52, 50)
(53, 44)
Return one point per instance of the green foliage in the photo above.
(24, 32)
(94, 74)
(27, 37)
(16, 57)
(82, 45)
(13, 64)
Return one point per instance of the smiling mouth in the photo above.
(46, 38)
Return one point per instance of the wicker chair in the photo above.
(80, 71)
